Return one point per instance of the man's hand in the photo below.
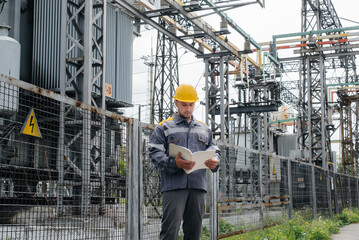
(181, 163)
(211, 163)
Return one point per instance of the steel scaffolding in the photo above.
(314, 128)
(166, 78)
(83, 67)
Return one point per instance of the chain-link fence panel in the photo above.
(354, 191)
(346, 191)
(253, 190)
(152, 202)
(63, 167)
(322, 192)
(302, 186)
(340, 192)
(72, 171)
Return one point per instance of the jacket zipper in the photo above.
(189, 129)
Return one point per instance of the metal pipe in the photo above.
(275, 37)
(324, 114)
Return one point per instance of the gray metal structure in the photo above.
(46, 51)
(166, 78)
(83, 68)
(315, 136)
(136, 221)
(349, 128)
(83, 49)
(68, 56)
(119, 59)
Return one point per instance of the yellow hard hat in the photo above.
(186, 93)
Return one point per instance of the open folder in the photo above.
(199, 157)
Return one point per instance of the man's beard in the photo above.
(186, 114)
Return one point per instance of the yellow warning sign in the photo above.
(30, 126)
(275, 169)
(108, 90)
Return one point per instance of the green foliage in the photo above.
(348, 216)
(122, 168)
(205, 233)
(293, 231)
(300, 229)
(225, 227)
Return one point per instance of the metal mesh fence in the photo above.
(152, 192)
(354, 191)
(256, 195)
(71, 171)
(321, 180)
(60, 179)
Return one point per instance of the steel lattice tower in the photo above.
(166, 81)
(218, 117)
(166, 78)
(314, 137)
(83, 68)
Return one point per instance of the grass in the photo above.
(300, 229)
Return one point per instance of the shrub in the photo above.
(300, 229)
(225, 227)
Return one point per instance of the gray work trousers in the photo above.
(186, 205)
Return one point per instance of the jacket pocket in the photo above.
(172, 139)
(203, 139)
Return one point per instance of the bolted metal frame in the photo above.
(83, 69)
(347, 138)
(314, 138)
(217, 109)
(217, 95)
(166, 78)
(316, 141)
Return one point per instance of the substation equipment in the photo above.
(52, 57)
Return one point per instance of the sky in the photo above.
(278, 17)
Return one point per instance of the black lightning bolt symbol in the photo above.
(32, 124)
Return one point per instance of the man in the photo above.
(183, 195)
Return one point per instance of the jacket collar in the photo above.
(178, 119)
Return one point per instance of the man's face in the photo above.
(185, 109)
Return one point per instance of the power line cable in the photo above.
(346, 19)
(178, 65)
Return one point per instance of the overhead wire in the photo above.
(178, 65)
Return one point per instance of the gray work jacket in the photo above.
(195, 136)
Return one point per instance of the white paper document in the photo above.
(199, 157)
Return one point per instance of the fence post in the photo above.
(342, 191)
(261, 206)
(86, 164)
(141, 194)
(134, 215)
(102, 167)
(335, 193)
(329, 194)
(357, 192)
(350, 193)
(214, 212)
(314, 193)
(60, 162)
(290, 190)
